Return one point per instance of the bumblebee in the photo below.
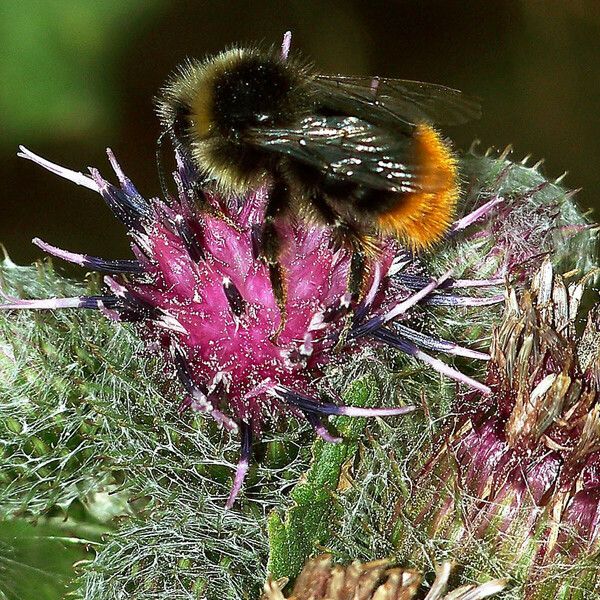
(359, 155)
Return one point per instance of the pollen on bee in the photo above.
(421, 218)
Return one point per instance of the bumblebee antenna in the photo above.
(159, 163)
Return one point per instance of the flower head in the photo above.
(525, 457)
(199, 295)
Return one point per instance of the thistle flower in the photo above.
(200, 297)
(320, 580)
(519, 467)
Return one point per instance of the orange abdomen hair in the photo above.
(421, 218)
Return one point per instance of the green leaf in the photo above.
(296, 533)
(36, 562)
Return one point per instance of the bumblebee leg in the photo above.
(347, 236)
(356, 275)
(356, 278)
(364, 247)
(271, 248)
(209, 208)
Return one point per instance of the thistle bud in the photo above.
(518, 468)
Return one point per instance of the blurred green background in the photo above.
(79, 75)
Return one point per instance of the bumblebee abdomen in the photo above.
(418, 218)
(421, 218)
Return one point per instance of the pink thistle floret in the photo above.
(197, 291)
(226, 310)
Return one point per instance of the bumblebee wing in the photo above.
(399, 101)
(347, 148)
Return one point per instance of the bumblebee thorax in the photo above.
(245, 89)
